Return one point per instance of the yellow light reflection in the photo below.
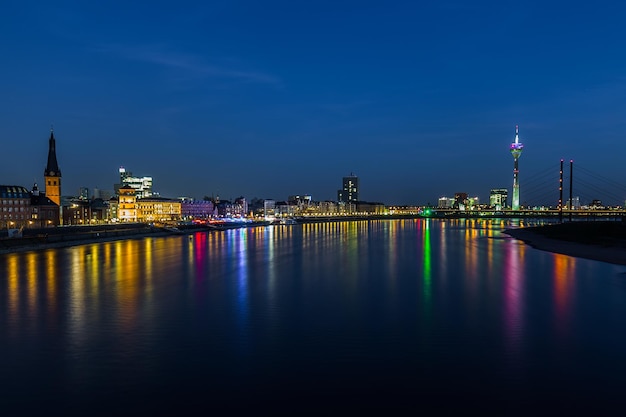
(77, 296)
(471, 254)
(51, 282)
(13, 290)
(31, 278)
(564, 270)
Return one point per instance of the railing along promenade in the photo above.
(530, 213)
(127, 230)
(444, 213)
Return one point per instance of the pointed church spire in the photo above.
(52, 169)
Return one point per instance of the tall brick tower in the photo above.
(52, 173)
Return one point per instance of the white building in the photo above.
(446, 202)
(141, 185)
(269, 209)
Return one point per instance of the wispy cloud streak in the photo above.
(190, 63)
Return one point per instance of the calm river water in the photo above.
(394, 315)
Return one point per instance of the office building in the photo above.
(460, 200)
(197, 209)
(158, 209)
(445, 202)
(141, 185)
(350, 190)
(573, 204)
(498, 198)
(83, 193)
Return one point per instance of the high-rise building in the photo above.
(498, 198)
(141, 185)
(573, 204)
(516, 151)
(103, 194)
(350, 191)
(124, 174)
(52, 173)
(460, 200)
(83, 193)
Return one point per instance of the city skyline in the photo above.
(419, 101)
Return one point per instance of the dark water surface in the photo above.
(415, 316)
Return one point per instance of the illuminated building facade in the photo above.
(269, 209)
(516, 151)
(498, 198)
(141, 185)
(350, 190)
(14, 206)
(370, 207)
(304, 199)
(52, 173)
(127, 204)
(22, 208)
(574, 203)
(473, 202)
(445, 202)
(44, 212)
(197, 209)
(76, 211)
(158, 209)
(83, 193)
(460, 200)
(238, 208)
(326, 207)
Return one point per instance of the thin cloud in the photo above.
(190, 63)
(346, 108)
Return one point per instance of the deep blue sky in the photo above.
(267, 99)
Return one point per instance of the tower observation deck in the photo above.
(516, 151)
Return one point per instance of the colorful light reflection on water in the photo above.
(366, 314)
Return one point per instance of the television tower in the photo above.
(516, 151)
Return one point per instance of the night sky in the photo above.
(274, 98)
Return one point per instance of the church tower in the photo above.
(52, 173)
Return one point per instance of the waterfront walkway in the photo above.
(599, 241)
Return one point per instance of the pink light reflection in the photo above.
(513, 287)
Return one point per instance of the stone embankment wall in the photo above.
(61, 236)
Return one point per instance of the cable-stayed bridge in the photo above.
(588, 189)
(564, 190)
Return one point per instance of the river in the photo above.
(393, 316)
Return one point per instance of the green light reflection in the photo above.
(426, 267)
